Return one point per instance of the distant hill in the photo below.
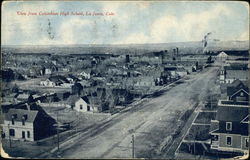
(184, 47)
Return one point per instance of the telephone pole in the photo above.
(9, 135)
(133, 146)
(57, 130)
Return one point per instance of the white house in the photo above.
(222, 56)
(83, 105)
(85, 75)
(47, 83)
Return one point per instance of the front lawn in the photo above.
(198, 132)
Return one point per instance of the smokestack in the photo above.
(127, 59)
(205, 41)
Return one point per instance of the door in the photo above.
(23, 134)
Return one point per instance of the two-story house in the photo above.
(230, 129)
(26, 124)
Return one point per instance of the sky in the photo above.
(122, 22)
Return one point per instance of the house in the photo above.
(230, 73)
(221, 57)
(181, 71)
(84, 75)
(231, 133)
(171, 70)
(49, 68)
(83, 105)
(27, 124)
(35, 71)
(237, 88)
(230, 129)
(57, 80)
(47, 83)
(22, 96)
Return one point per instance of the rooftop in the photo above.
(231, 114)
(31, 114)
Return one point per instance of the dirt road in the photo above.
(150, 123)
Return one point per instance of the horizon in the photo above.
(126, 44)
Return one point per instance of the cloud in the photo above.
(20, 28)
(244, 36)
(74, 30)
(190, 27)
(133, 22)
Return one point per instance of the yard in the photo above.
(205, 117)
(198, 133)
(81, 120)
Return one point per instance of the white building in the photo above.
(83, 105)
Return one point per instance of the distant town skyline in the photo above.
(65, 23)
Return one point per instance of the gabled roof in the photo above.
(222, 54)
(237, 74)
(235, 86)
(58, 78)
(85, 98)
(238, 92)
(231, 114)
(237, 83)
(23, 96)
(31, 114)
(245, 120)
(48, 65)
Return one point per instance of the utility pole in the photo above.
(133, 146)
(9, 135)
(57, 130)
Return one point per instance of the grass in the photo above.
(198, 132)
(205, 117)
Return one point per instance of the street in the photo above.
(150, 123)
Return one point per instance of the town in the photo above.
(161, 102)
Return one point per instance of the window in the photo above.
(28, 134)
(13, 117)
(229, 141)
(23, 134)
(246, 142)
(241, 94)
(228, 126)
(23, 122)
(80, 106)
(12, 132)
(88, 108)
